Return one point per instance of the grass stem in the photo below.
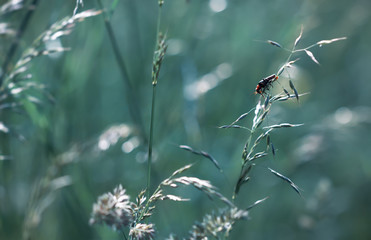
(154, 84)
(129, 90)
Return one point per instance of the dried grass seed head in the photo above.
(113, 209)
(217, 225)
(142, 231)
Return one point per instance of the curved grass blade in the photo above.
(323, 42)
(310, 54)
(276, 44)
(256, 203)
(299, 37)
(258, 155)
(268, 140)
(242, 179)
(287, 93)
(286, 179)
(294, 89)
(234, 126)
(237, 120)
(273, 149)
(202, 153)
(266, 101)
(180, 170)
(283, 125)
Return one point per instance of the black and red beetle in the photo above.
(265, 84)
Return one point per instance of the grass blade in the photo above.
(286, 179)
(256, 203)
(242, 179)
(276, 44)
(294, 89)
(310, 54)
(237, 120)
(202, 153)
(299, 37)
(323, 42)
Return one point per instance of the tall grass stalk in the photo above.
(115, 209)
(262, 110)
(154, 84)
(130, 91)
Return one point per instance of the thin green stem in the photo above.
(150, 144)
(154, 84)
(299, 50)
(131, 95)
(148, 202)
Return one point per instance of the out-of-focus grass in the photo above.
(327, 157)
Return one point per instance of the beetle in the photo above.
(265, 84)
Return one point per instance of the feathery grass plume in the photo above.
(262, 110)
(24, 22)
(145, 206)
(16, 85)
(142, 232)
(202, 185)
(17, 92)
(60, 28)
(37, 48)
(113, 209)
(217, 226)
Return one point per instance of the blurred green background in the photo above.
(216, 56)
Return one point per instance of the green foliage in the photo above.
(75, 115)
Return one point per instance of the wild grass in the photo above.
(132, 218)
(20, 93)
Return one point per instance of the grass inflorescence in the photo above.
(132, 216)
(215, 225)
